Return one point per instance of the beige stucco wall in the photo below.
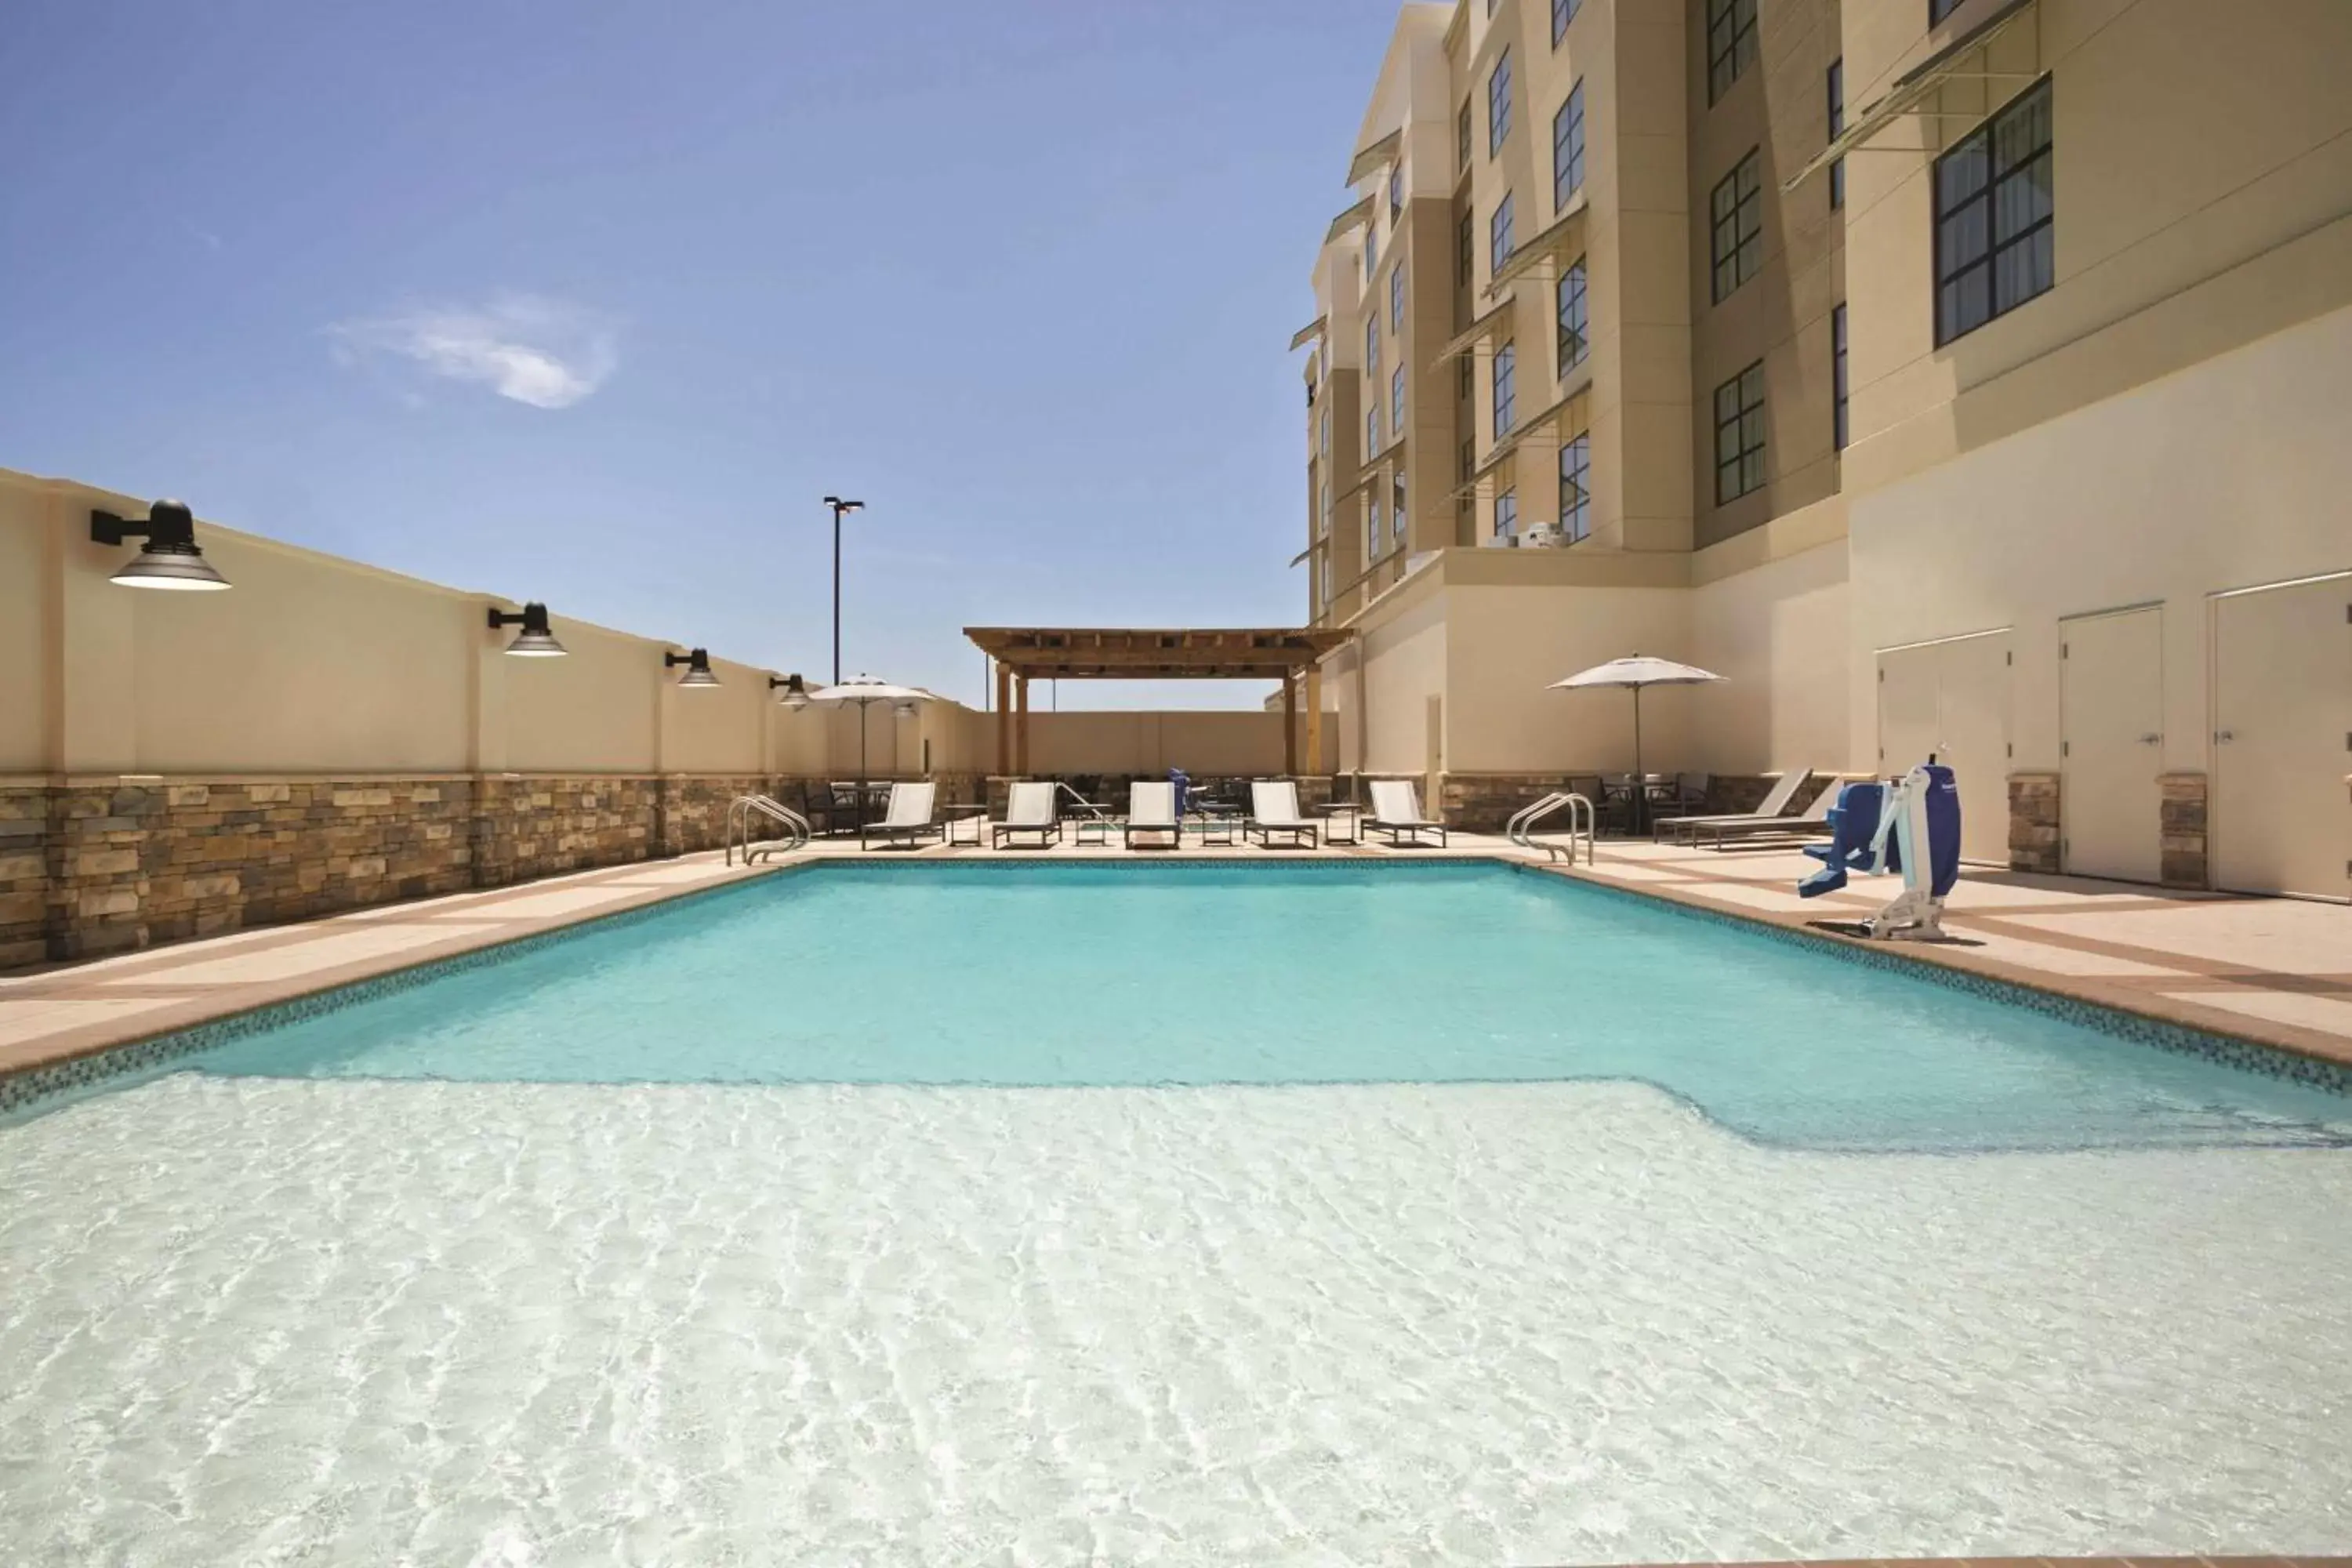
(594, 712)
(1775, 626)
(1203, 744)
(1506, 646)
(24, 582)
(2229, 475)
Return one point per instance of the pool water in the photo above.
(1415, 1215)
(1072, 975)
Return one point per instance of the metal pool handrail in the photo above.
(739, 826)
(1580, 825)
(1081, 802)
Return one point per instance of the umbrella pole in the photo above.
(862, 706)
(1641, 779)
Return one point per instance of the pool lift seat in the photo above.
(1911, 827)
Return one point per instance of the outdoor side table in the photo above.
(1338, 811)
(1223, 824)
(1100, 827)
(961, 817)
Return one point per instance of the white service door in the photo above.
(2281, 812)
(1950, 700)
(2111, 712)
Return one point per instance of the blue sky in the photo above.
(591, 302)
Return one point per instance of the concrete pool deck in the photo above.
(2275, 970)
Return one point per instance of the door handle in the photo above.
(2225, 736)
(2152, 740)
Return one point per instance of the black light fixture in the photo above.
(535, 640)
(170, 558)
(839, 506)
(697, 669)
(796, 690)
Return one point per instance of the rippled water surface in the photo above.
(270, 1322)
(1410, 1216)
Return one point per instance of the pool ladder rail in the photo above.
(1580, 825)
(739, 828)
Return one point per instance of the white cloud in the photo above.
(541, 351)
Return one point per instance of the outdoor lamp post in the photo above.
(839, 506)
(169, 558)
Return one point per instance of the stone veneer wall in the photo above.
(2033, 823)
(2183, 863)
(91, 867)
(1484, 803)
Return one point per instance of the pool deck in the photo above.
(2275, 970)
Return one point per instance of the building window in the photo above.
(1939, 9)
(1396, 193)
(1498, 103)
(1396, 402)
(1730, 43)
(1837, 376)
(1465, 362)
(1323, 512)
(1325, 568)
(1735, 212)
(1505, 394)
(1567, 148)
(1465, 254)
(1576, 488)
(1372, 528)
(1837, 128)
(1469, 461)
(1323, 436)
(1995, 247)
(1462, 135)
(1500, 241)
(1397, 528)
(1563, 12)
(1372, 248)
(1507, 517)
(1572, 342)
(1396, 297)
(1372, 345)
(1371, 428)
(1740, 435)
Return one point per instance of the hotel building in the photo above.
(1964, 376)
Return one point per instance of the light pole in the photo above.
(839, 506)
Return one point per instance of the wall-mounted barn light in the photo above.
(697, 669)
(170, 558)
(795, 691)
(535, 640)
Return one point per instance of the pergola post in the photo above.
(1290, 723)
(1021, 726)
(1315, 719)
(1004, 718)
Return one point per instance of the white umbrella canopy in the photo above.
(1637, 671)
(1633, 674)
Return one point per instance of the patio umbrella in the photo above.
(1635, 673)
(866, 690)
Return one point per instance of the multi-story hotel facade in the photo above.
(1965, 377)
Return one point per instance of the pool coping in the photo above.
(78, 1059)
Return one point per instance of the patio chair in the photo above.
(1396, 811)
(1812, 822)
(911, 817)
(1151, 809)
(1774, 806)
(1274, 809)
(1030, 809)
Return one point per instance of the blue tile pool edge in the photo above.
(34, 1090)
(2240, 1052)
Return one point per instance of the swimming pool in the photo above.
(1175, 1215)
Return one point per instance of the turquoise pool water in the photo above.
(1187, 975)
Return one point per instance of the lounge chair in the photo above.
(1396, 811)
(1274, 809)
(909, 820)
(1775, 805)
(1151, 809)
(1812, 822)
(1029, 809)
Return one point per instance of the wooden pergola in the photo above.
(1024, 654)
